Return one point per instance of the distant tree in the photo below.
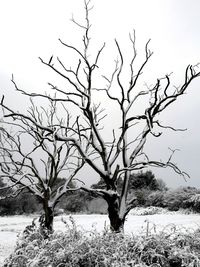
(32, 160)
(119, 154)
(144, 180)
(141, 180)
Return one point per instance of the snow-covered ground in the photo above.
(11, 226)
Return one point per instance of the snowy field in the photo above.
(10, 227)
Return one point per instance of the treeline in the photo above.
(147, 190)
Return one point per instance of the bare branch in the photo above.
(120, 70)
(169, 127)
(133, 81)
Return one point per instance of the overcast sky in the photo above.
(31, 28)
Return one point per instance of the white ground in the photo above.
(10, 227)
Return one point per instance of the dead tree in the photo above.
(33, 160)
(116, 156)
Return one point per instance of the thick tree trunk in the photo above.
(47, 218)
(116, 221)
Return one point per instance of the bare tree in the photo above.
(33, 160)
(117, 156)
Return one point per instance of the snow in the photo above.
(11, 226)
(7, 241)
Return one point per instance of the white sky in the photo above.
(31, 28)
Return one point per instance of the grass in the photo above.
(75, 248)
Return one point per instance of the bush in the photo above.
(141, 196)
(146, 197)
(24, 203)
(178, 198)
(150, 210)
(175, 199)
(97, 205)
(75, 248)
(75, 202)
(156, 199)
(194, 202)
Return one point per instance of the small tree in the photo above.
(34, 161)
(119, 155)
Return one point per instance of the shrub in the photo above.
(194, 202)
(97, 205)
(156, 199)
(24, 203)
(177, 198)
(75, 202)
(141, 196)
(75, 248)
(150, 210)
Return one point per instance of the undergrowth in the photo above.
(75, 248)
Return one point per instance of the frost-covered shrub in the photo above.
(156, 199)
(177, 198)
(141, 196)
(194, 202)
(75, 248)
(151, 210)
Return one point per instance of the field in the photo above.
(10, 227)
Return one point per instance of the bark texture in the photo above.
(46, 220)
(116, 222)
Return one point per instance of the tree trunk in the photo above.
(116, 222)
(47, 218)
